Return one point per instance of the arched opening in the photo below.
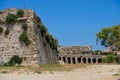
(59, 58)
(89, 60)
(79, 60)
(69, 61)
(64, 60)
(99, 60)
(94, 60)
(73, 59)
(84, 60)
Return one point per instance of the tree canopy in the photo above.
(110, 37)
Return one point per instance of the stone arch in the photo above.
(73, 60)
(69, 60)
(94, 60)
(79, 60)
(84, 60)
(89, 60)
(99, 60)
(64, 60)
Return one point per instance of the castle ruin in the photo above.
(78, 54)
(38, 52)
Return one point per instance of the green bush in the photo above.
(117, 59)
(1, 30)
(52, 41)
(10, 18)
(20, 13)
(43, 30)
(13, 61)
(24, 27)
(24, 38)
(6, 32)
(109, 58)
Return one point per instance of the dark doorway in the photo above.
(69, 61)
(60, 58)
(79, 60)
(94, 60)
(99, 60)
(89, 60)
(64, 60)
(84, 60)
(73, 59)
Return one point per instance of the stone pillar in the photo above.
(71, 60)
(81, 59)
(86, 60)
(61, 58)
(91, 60)
(66, 60)
(76, 60)
(97, 60)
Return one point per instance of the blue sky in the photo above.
(72, 22)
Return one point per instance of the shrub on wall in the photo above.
(43, 30)
(1, 30)
(10, 18)
(20, 13)
(13, 61)
(24, 27)
(6, 32)
(52, 41)
(24, 38)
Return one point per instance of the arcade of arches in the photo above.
(76, 60)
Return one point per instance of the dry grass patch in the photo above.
(39, 69)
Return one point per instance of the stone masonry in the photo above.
(36, 52)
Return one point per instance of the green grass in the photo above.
(4, 72)
(39, 72)
(116, 74)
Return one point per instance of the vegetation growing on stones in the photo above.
(43, 30)
(20, 13)
(10, 18)
(6, 32)
(24, 38)
(1, 30)
(24, 27)
(13, 61)
(110, 37)
(52, 41)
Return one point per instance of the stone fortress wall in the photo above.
(36, 52)
(77, 54)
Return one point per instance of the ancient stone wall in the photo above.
(36, 52)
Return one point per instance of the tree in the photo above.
(110, 37)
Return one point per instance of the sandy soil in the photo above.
(92, 72)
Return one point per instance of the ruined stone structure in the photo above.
(38, 52)
(77, 54)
